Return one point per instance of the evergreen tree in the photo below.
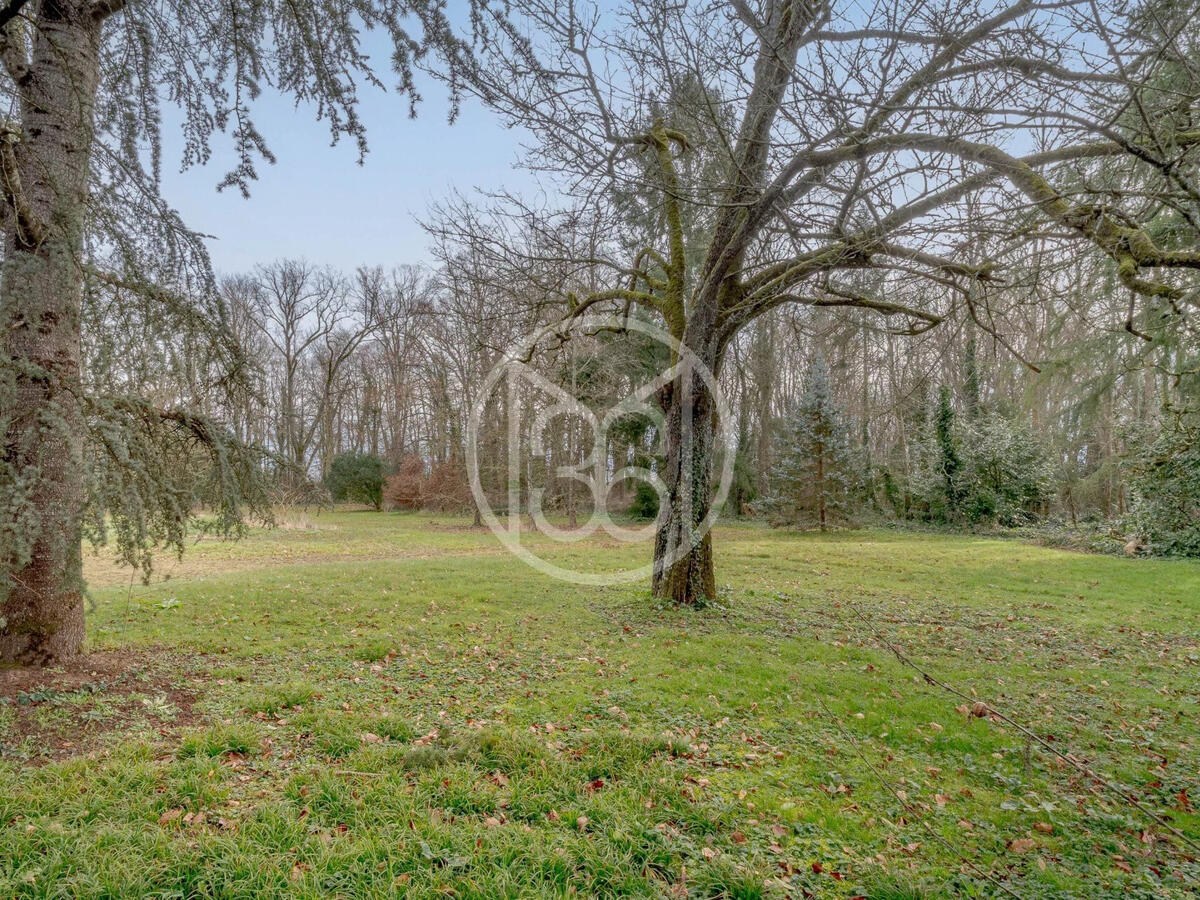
(813, 477)
(1007, 475)
(940, 480)
(81, 154)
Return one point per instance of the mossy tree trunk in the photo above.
(683, 558)
(45, 172)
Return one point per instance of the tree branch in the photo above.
(579, 307)
(11, 10)
(13, 55)
(836, 295)
(31, 231)
(102, 9)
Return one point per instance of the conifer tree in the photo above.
(814, 473)
(81, 214)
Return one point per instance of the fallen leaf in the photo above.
(170, 816)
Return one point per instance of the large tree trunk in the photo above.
(41, 592)
(683, 559)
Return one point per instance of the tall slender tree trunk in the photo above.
(764, 380)
(45, 183)
(821, 486)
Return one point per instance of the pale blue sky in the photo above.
(317, 203)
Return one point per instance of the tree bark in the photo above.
(683, 560)
(821, 486)
(41, 593)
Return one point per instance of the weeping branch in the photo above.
(151, 468)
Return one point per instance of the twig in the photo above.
(915, 813)
(1030, 735)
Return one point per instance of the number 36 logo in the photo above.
(516, 407)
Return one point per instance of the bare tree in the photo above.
(314, 322)
(861, 141)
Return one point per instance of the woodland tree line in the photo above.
(359, 387)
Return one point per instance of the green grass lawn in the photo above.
(378, 705)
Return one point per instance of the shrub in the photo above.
(645, 501)
(444, 489)
(988, 469)
(1008, 475)
(447, 489)
(405, 489)
(1166, 488)
(357, 477)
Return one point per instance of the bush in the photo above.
(939, 480)
(989, 469)
(444, 489)
(1008, 473)
(357, 477)
(405, 489)
(447, 488)
(645, 501)
(1165, 478)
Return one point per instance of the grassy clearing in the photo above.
(373, 705)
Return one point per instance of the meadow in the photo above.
(361, 704)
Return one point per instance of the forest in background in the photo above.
(1006, 341)
(360, 386)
